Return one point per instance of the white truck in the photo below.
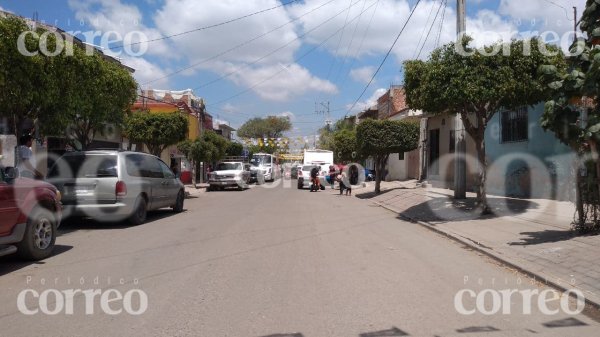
(323, 158)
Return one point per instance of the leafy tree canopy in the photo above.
(477, 83)
(156, 130)
(344, 146)
(380, 138)
(268, 127)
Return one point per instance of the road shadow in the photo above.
(11, 263)
(447, 209)
(77, 224)
(372, 194)
(547, 236)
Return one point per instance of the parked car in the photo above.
(112, 185)
(230, 174)
(30, 213)
(304, 176)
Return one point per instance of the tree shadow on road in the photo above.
(446, 209)
(546, 236)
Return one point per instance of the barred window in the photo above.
(514, 125)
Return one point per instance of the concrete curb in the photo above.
(541, 277)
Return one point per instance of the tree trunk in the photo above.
(380, 167)
(482, 176)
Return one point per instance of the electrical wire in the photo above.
(430, 28)
(384, 59)
(297, 59)
(424, 30)
(238, 46)
(273, 51)
(205, 27)
(437, 40)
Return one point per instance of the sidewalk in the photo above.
(532, 235)
(191, 192)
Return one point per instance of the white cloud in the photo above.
(282, 82)
(146, 71)
(371, 101)
(287, 114)
(122, 19)
(362, 74)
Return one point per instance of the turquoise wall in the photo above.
(539, 167)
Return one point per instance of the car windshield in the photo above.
(84, 166)
(308, 168)
(229, 166)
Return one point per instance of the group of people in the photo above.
(340, 176)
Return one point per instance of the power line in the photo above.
(437, 40)
(561, 6)
(297, 59)
(424, 29)
(272, 52)
(343, 83)
(430, 28)
(385, 58)
(349, 45)
(206, 27)
(239, 45)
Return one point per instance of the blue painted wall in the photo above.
(539, 167)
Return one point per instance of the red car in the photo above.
(30, 213)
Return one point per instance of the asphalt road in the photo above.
(270, 261)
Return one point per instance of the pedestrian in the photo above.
(332, 175)
(314, 177)
(175, 169)
(349, 187)
(340, 179)
(27, 165)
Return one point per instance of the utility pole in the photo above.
(323, 109)
(574, 23)
(460, 148)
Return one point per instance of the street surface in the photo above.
(273, 262)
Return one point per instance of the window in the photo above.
(139, 165)
(166, 171)
(452, 141)
(401, 156)
(84, 166)
(514, 125)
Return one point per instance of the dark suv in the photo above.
(30, 213)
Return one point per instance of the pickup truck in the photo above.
(30, 213)
(229, 174)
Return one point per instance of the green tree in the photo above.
(475, 86)
(96, 92)
(156, 130)
(326, 133)
(344, 146)
(234, 149)
(575, 90)
(209, 147)
(268, 127)
(380, 138)
(29, 84)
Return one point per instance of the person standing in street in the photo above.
(26, 162)
(332, 175)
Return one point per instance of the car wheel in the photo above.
(40, 235)
(178, 208)
(140, 211)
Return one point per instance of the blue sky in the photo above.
(301, 53)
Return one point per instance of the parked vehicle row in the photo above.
(107, 186)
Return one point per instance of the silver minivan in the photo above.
(112, 185)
